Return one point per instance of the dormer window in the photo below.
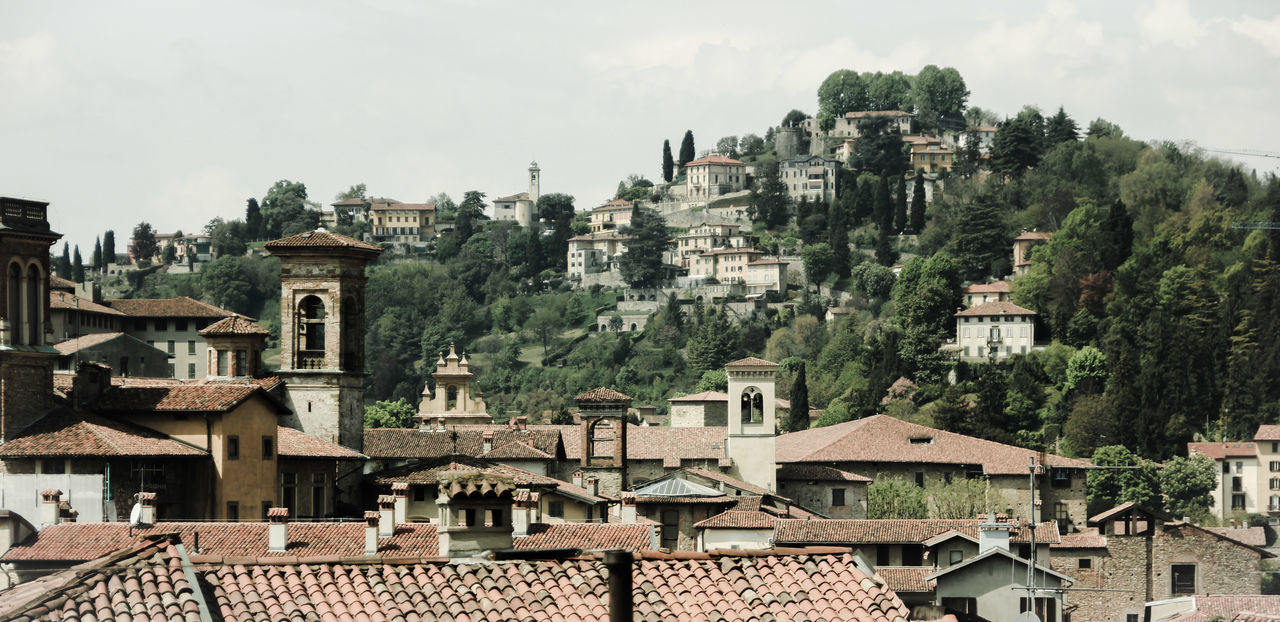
(922, 440)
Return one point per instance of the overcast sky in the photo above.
(176, 112)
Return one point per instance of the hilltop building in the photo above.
(522, 207)
(712, 176)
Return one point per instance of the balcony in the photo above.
(311, 359)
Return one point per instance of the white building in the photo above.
(713, 176)
(705, 237)
(522, 207)
(1000, 327)
(595, 252)
(1249, 473)
(812, 177)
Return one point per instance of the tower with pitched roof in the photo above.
(753, 421)
(26, 333)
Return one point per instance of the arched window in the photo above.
(311, 333)
(752, 405)
(14, 291)
(450, 398)
(33, 319)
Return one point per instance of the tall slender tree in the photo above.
(686, 148)
(918, 203)
(900, 205)
(798, 418)
(63, 267)
(97, 253)
(883, 206)
(838, 234)
(108, 248)
(668, 164)
(77, 267)
(253, 220)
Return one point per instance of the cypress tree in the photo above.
(668, 165)
(686, 148)
(63, 268)
(77, 267)
(838, 233)
(97, 253)
(865, 201)
(108, 248)
(917, 203)
(900, 205)
(883, 207)
(799, 416)
(253, 220)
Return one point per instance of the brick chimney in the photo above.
(50, 506)
(277, 530)
(475, 513)
(486, 443)
(371, 532)
(148, 502)
(386, 516)
(400, 490)
(593, 484)
(522, 423)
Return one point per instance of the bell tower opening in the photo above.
(311, 317)
(14, 291)
(753, 421)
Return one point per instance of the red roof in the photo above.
(602, 394)
(906, 578)
(319, 239)
(57, 282)
(414, 207)
(1231, 608)
(862, 114)
(1219, 451)
(817, 472)
(234, 325)
(999, 307)
(206, 397)
(1267, 433)
(738, 519)
(1087, 538)
(468, 440)
(999, 287)
(182, 306)
(293, 443)
(752, 361)
(586, 536)
(886, 531)
(64, 432)
(71, 346)
(63, 300)
(428, 473)
(1252, 536)
(715, 159)
(81, 541)
(881, 438)
(517, 451)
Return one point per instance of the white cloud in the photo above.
(29, 69)
(1266, 33)
(1169, 21)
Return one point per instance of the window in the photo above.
(912, 554)
(1237, 484)
(191, 370)
(317, 494)
(837, 497)
(882, 555)
(920, 479)
(1183, 578)
(173, 370)
(268, 448)
(1237, 501)
(1132, 617)
(1275, 466)
(289, 490)
(1045, 608)
(140, 324)
(1061, 478)
(1275, 447)
(242, 361)
(960, 605)
(1239, 468)
(162, 324)
(53, 467)
(180, 324)
(1226, 467)
(233, 510)
(233, 447)
(36, 303)
(191, 347)
(1084, 563)
(222, 362)
(1275, 483)
(955, 557)
(555, 509)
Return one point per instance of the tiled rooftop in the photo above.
(998, 287)
(64, 300)
(1267, 433)
(1219, 451)
(234, 325)
(64, 432)
(203, 397)
(602, 394)
(738, 519)
(752, 361)
(817, 472)
(428, 472)
(715, 159)
(906, 578)
(881, 438)
(586, 536)
(1087, 538)
(71, 346)
(396, 443)
(884, 531)
(181, 306)
(319, 239)
(1231, 608)
(999, 307)
(293, 443)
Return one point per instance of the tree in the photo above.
(356, 191)
(227, 238)
(712, 344)
(62, 267)
(839, 237)
(959, 499)
(843, 91)
(1187, 484)
(169, 254)
(668, 164)
(470, 215)
(918, 203)
(389, 414)
(687, 154)
(794, 118)
(900, 205)
(286, 210)
(939, 95)
(641, 264)
(883, 207)
(144, 241)
(817, 260)
(1135, 481)
(872, 280)
(77, 267)
(927, 293)
(799, 415)
(1087, 371)
(545, 325)
(557, 208)
(1060, 128)
(728, 146)
(951, 412)
(712, 380)
(980, 242)
(769, 198)
(97, 254)
(879, 148)
(1102, 128)
(255, 225)
(752, 145)
(108, 248)
(1017, 145)
(896, 498)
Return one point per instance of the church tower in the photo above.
(26, 333)
(535, 179)
(603, 435)
(753, 421)
(322, 307)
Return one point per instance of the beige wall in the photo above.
(1017, 334)
(817, 496)
(188, 347)
(989, 582)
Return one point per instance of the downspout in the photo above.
(212, 510)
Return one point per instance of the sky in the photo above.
(176, 112)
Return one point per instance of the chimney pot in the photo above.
(522, 422)
(148, 502)
(577, 478)
(50, 506)
(593, 484)
(400, 508)
(486, 443)
(371, 519)
(277, 530)
(386, 516)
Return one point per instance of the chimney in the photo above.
(386, 516)
(400, 490)
(371, 533)
(439, 424)
(486, 445)
(593, 484)
(627, 513)
(522, 423)
(148, 502)
(522, 515)
(71, 516)
(277, 530)
(619, 563)
(577, 478)
(50, 506)
(993, 535)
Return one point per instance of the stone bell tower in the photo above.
(753, 421)
(26, 333)
(604, 437)
(322, 332)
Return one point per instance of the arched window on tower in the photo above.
(14, 308)
(32, 317)
(752, 405)
(311, 317)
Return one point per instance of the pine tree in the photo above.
(108, 248)
(951, 413)
(97, 253)
(686, 148)
(63, 267)
(900, 205)
(641, 264)
(799, 416)
(668, 165)
(1060, 129)
(917, 203)
(77, 267)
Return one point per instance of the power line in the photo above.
(1244, 152)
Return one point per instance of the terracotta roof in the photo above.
(416, 207)
(586, 536)
(752, 361)
(1033, 235)
(884, 531)
(732, 482)
(63, 300)
(1102, 516)
(906, 578)
(206, 397)
(71, 346)
(82, 541)
(57, 282)
(353, 202)
(319, 239)
(818, 473)
(881, 438)
(182, 306)
(705, 396)
(732, 251)
(998, 287)
(63, 432)
(234, 325)
(142, 581)
(715, 159)
(291, 443)
(1252, 536)
(738, 519)
(601, 394)
(517, 451)
(1242, 607)
(618, 203)
(397, 443)
(1087, 538)
(693, 587)
(429, 472)
(999, 307)
(1267, 433)
(671, 445)
(1219, 451)
(862, 114)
